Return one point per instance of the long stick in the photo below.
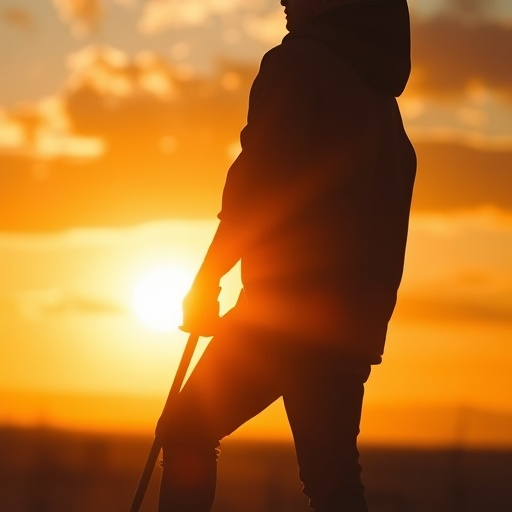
(157, 444)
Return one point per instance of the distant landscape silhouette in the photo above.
(45, 470)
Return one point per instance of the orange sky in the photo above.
(117, 125)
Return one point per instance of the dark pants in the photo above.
(243, 370)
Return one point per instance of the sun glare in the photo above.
(158, 295)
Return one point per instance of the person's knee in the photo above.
(179, 436)
(188, 464)
(189, 454)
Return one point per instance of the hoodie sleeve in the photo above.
(276, 141)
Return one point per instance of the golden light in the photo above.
(158, 295)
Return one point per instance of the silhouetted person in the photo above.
(316, 207)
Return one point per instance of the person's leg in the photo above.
(323, 400)
(232, 382)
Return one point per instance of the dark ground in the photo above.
(43, 470)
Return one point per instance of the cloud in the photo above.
(128, 102)
(112, 95)
(269, 28)
(160, 138)
(41, 131)
(458, 267)
(84, 16)
(479, 120)
(109, 72)
(454, 177)
(460, 91)
(468, 10)
(160, 15)
(450, 56)
(130, 139)
(12, 133)
(103, 84)
(438, 308)
(18, 18)
(38, 303)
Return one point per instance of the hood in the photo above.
(372, 36)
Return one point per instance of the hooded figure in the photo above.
(316, 208)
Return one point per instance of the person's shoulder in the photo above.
(291, 50)
(294, 58)
(313, 60)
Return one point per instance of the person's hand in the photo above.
(201, 308)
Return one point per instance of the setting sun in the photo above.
(157, 297)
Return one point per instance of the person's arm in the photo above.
(200, 306)
(225, 251)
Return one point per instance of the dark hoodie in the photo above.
(324, 181)
(372, 37)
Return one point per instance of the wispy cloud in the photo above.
(36, 304)
(177, 232)
(439, 308)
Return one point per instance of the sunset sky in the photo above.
(118, 121)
